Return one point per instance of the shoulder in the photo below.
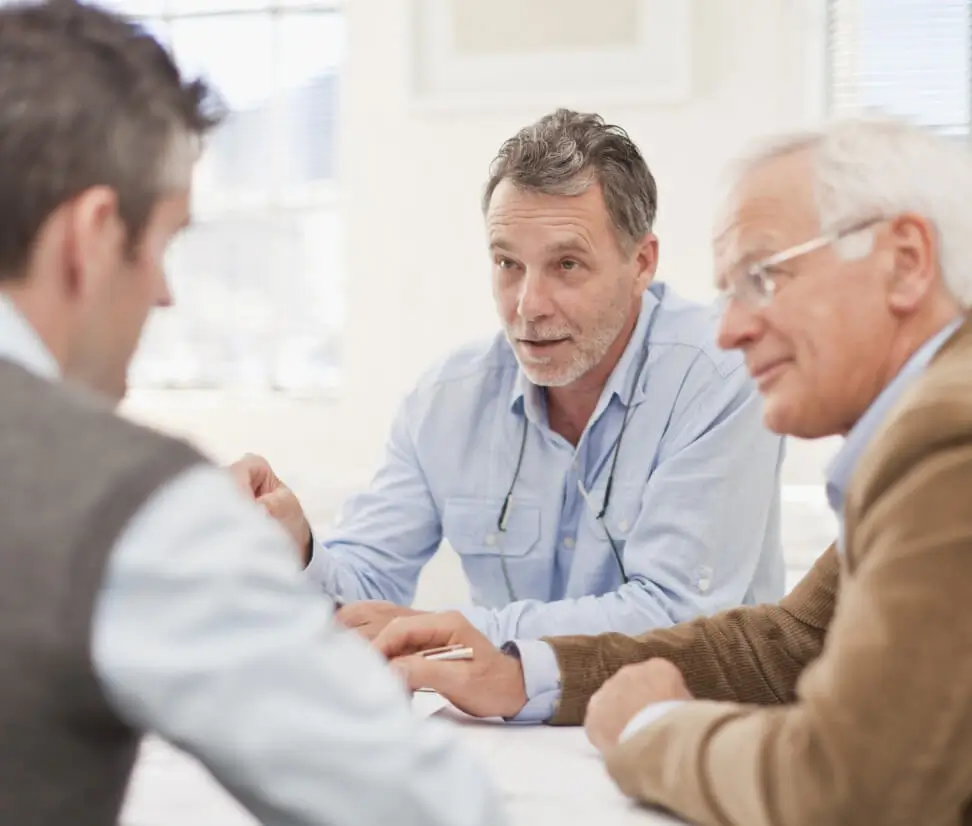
(484, 365)
(75, 428)
(689, 328)
(931, 422)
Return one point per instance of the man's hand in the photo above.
(626, 694)
(488, 685)
(257, 479)
(370, 617)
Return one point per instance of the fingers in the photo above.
(489, 685)
(355, 614)
(280, 503)
(444, 677)
(410, 634)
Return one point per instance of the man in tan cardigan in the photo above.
(846, 262)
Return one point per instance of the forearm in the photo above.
(351, 573)
(385, 534)
(748, 655)
(664, 589)
(629, 610)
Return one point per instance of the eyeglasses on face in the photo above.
(756, 284)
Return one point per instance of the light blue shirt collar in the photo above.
(842, 467)
(619, 383)
(20, 344)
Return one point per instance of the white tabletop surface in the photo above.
(547, 775)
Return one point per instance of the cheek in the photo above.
(506, 296)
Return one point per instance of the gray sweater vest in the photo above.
(72, 474)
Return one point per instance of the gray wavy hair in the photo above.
(565, 153)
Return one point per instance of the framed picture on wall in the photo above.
(491, 54)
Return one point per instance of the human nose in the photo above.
(739, 324)
(534, 300)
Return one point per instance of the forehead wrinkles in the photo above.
(530, 215)
(762, 225)
(773, 200)
(745, 241)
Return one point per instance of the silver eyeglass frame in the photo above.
(758, 286)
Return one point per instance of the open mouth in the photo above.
(541, 347)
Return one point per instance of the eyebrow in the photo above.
(752, 256)
(574, 246)
(759, 246)
(748, 258)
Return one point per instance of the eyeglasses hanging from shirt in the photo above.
(599, 513)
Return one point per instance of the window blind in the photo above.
(907, 58)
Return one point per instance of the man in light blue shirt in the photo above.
(600, 465)
(844, 267)
(204, 629)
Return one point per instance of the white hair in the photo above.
(869, 167)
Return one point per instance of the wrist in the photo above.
(517, 680)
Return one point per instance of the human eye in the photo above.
(766, 279)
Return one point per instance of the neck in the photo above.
(916, 335)
(569, 408)
(42, 314)
(910, 339)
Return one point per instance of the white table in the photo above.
(549, 777)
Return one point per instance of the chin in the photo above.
(543, 378)
(790, 418)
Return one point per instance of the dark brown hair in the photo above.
(87, 98)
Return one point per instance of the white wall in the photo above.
(418, 272)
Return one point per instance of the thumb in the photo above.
(277, 502)
(241, 476)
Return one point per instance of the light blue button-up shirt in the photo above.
(842, 467)
(694, 508)
(206, 632)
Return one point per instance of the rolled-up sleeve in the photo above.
(386, 533)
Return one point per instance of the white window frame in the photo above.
(212, 204)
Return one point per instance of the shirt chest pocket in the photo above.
(471, 527)
(622, 514)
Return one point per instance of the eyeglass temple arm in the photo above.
(504, 512)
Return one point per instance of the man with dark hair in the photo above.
(140, 590)
(598, 466)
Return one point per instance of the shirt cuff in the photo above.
(648, 715)
(541, 679)
(318, 571)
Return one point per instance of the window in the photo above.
(909, 58)
(258, 278)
